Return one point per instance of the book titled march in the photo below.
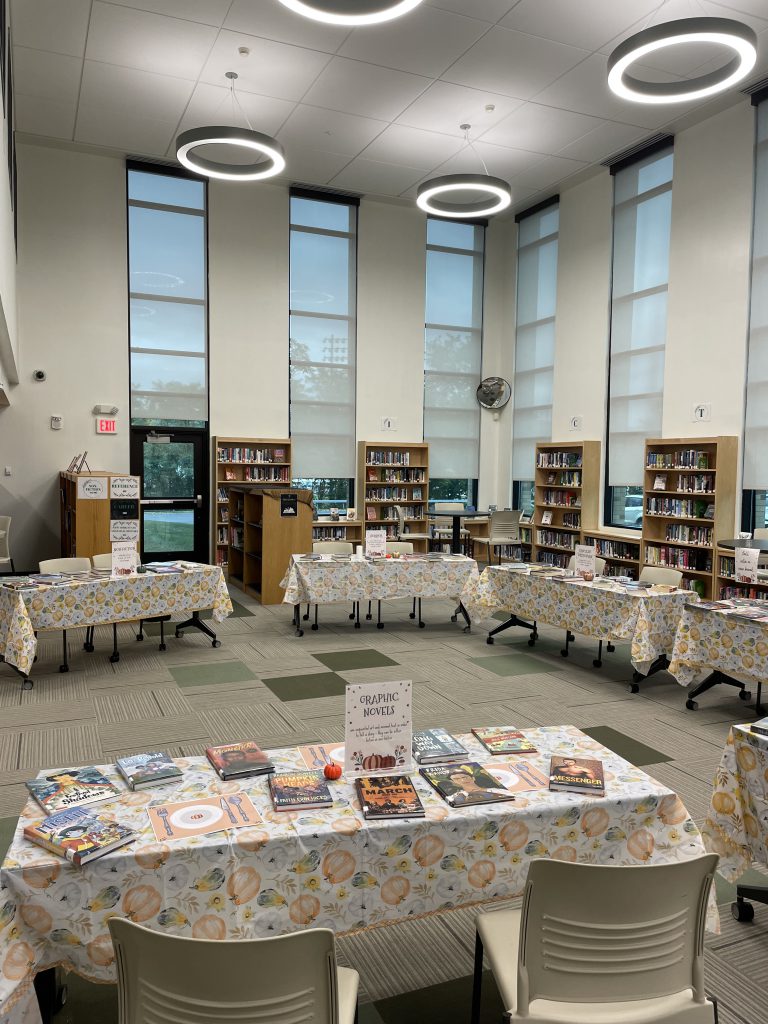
(389, 796)
(503, 739)
(298, 791)
(432, 746)
(239, 760)
(143, 770)
(466, 784)
(79, 835)
(576, 775)
(72, 787)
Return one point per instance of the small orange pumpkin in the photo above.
(672, 809)
(209, 927)
(40, 876)
(18, 960)
(641, 844)
(141, 903)
(332, 771)
(428, 850)
(36, 917)
(595, 821)
(481, 874)
(395, 890)
(152, 856)
(338, 866)
(514, 836)
(304, 910)
(243, 885)
(100, 951)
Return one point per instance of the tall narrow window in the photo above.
(537, 240)
(168, 299)
(642, 217)
(452, 357)
(323, 344)
(756, 427)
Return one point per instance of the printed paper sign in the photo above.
(746, 564)
(124, 487)
(376, 543)
(289, 505)
(377, 729)
(92, 487)
(125, 558)
(585, 559)
(124, 529)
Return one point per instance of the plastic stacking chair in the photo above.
(330, 547)
(569, 637)
(661, 574)
(102, 562)
(5, 544)
(442, 526)
(177, 980)
(503, 531)
(598, 944)
(403, 533)
(53, 565)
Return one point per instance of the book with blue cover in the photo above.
(79, 835)
(152, 769)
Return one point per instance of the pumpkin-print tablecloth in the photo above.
(648, 621)
(328, 868)
(323, 582)
(713, 641)
(96, 602)
(737, 823)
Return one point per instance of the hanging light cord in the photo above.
(473, 148)
(235, 100)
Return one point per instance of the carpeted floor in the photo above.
(281, 690)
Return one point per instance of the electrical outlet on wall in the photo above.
(702, 413)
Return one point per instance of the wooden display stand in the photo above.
(683, 519)
(84, 519)
(342, 529)
(255, 460)
(567, 491)
(262, 539)
(389, 475)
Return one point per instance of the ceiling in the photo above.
(373, 110)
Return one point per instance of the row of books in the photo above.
(685, 508)
(622, 572)
(695, 483)
(566, 499)
(250, 455)
(727, 593)
(236, 536)
(553, 559)
(572, 519)
(615, 548)
(329, 532)
(386, 457)
(409, 511)
(222, 494)
(688, 459)
(678, 558)
(221, 535)
(221, 558)
(701, 535)
(565, 478)
(393, 494)
(555, 538)
(394, 476)
(559, 460)
(269, 475)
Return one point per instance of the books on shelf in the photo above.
(71, 787)
(299, 791)
(466, 784)
(152, 769)
(576, 775)
(558, 460)
(688, 459)
(247, 454)
(383, 457)
(388, 796)
(678, 558)
(433, 746)
(239, 760)
(504, 739)
(660, 482)
(79, 835)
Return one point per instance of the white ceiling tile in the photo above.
(444, 106)
(513, 63)
(738, 8)
(487, 10)
(549, 171)
(59, 26)
(211, 104)
(129, 134)
(149, 42)
(357, 88)
(310, 166)
(317, 128)
(207, 12)
(501, 161)
(121, 92)
(271, 20)
(588, 23)
(413, 147)
(271, 68)
(51, 76)
(426, 42)
(52, 118)
(542, 129)
(606, 140)
(372, 177)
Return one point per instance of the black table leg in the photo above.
(297, 620)
(50, 995)
(661, 663)
(197, 623)
(713, 679)
(515, 621)
(456, 537)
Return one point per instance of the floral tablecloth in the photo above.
(713, 641)
(328, 581)
(327, 868)
(737, 823)
(648, 621)
(95, 602)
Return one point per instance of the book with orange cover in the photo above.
(79, 835)
(239, 760)
(389, 796)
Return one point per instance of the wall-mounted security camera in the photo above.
(39, 375)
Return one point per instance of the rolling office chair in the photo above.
(54, 565)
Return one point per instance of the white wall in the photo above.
(9, 339)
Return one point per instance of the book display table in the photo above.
(647, 620)
(326, 868)
(355, 580)
(83, 603)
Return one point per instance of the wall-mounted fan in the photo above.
(494, 393)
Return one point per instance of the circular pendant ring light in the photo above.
(495, 192)
(733, 35)
(351, 12)
(239, 138)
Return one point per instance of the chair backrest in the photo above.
(174, 979)
(399, 547)
(102, 561)
(332, 547)
(602, 933)
(660, 574)
(761, 533)
(446, 522)
(65, 565)
(504, 526)
(599, 565)
(5, 538)
(400, 519)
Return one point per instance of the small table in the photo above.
(456, 517)
(743, 542)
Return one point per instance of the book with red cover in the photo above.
(576, 775)
(239, 760)
(503, 739)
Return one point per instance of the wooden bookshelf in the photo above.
(389, 475)
(621, 553)
(254, 460)
(344, 529)
(689, 500)
(726, 585)
(262, 540)
(86, 511)
(567, 490)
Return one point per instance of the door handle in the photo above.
(199, 501)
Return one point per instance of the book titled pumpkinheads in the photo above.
(389, 796)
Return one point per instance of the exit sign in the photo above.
(105, 426)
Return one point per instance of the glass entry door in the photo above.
(174, 492)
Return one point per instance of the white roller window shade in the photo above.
(535, 337)
(756, 426)
(642, 217)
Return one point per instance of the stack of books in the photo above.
(239, 760)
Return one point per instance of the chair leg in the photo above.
(564, 652)
(162, 646)
(422, 624)
(140, 634)
(369, 616)
(412, 612)
(598, 662)
(306, 614)
(477, 980)
(352, 613)
(609, 647)
(379, 623)
(115, 655)
(64, 667)
(315, 626)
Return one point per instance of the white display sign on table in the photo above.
(585, 559)
(746, 564)
(378, 724)
(376, 543)
(125, 558)
(124, 487)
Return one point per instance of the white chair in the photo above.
(330, 547)
(598, 944)
(55, 565)
(503, 531)
(569, 636)
(102, 562)
(442, 526)
(661, 574)
(403, 533)
(176, 979)
(5, 544)
(761, 533)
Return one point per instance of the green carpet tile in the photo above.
(7, 828)
(305, 687)
(346, 661)
(513, 664)
(625, 746)
(211, 672)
